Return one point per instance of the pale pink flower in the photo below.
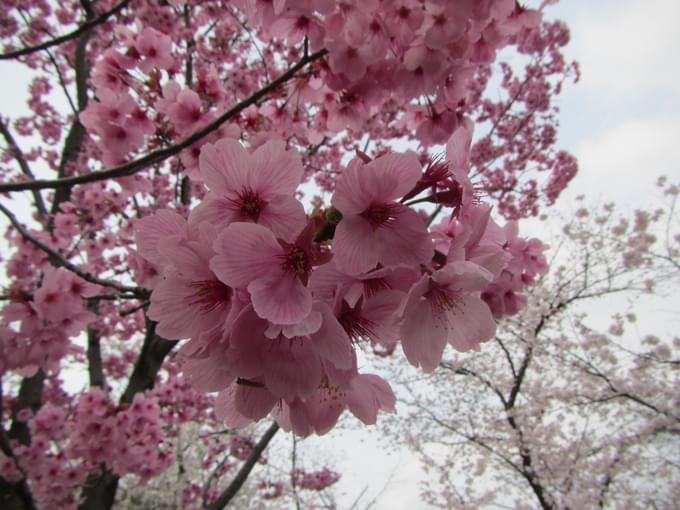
(274, 272)
(255, 187)
(156, 48)
(288, 366)
(363, 394)
(242, 403)
(186, 112)
(445, 307)
(374, 227)
(189, 298)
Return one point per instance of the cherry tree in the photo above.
(161, 254)
(571, 405)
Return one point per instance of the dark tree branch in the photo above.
(236, 484)
(76, 133)
(161, 155)
(58, 260)
(94, 359)
(66, 37)
(507, 356)
(13, 495)
(476, 375)
(153, 353)
(30, 396)
(23, 164)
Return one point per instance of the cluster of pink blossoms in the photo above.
(275, 302)
(64, 450)
(55, 312)
(407, 68)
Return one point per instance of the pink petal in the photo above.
(215, 210)
(354, 246)
(177, 317)
(323, 411)
(280, 298)
(292, 416)
(326, 281)
(423, 334)
(274, 170)
(396, 174)
(151, 229)
(245, 251)
(308, 325)
(381, 311)
(252, 402)
(293, 370)
(471, 323)
(225, 409)
(458, 147)
(369, 394)
(185, 257)
(205, 375)
(331, 341)
(406, 241)
(224, 165)
(351, 196)
(463, 275)
(244, 357)
(284, 216)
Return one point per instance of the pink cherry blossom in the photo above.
(445, 308)
(255, 187)
(155, 48)
(374, 227)
(274, 271)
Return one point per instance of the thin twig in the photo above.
(293, 474)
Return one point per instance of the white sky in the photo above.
(622, 121)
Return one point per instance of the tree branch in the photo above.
(58, 260)
(66, 37)
(236, 484)
(161, 155)
(23, 164)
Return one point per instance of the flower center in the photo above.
(209, 294)
(443, 299)
(296, 261)
(381, 215)
(329, 392)
(250, 204)
(356, 326)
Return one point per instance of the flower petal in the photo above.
(275, 170)
(355, 248)
(284, 216)
(471, 323)
(331, 341)
(245, 252)
(423, 334)
(280, 298)
(225, 166)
